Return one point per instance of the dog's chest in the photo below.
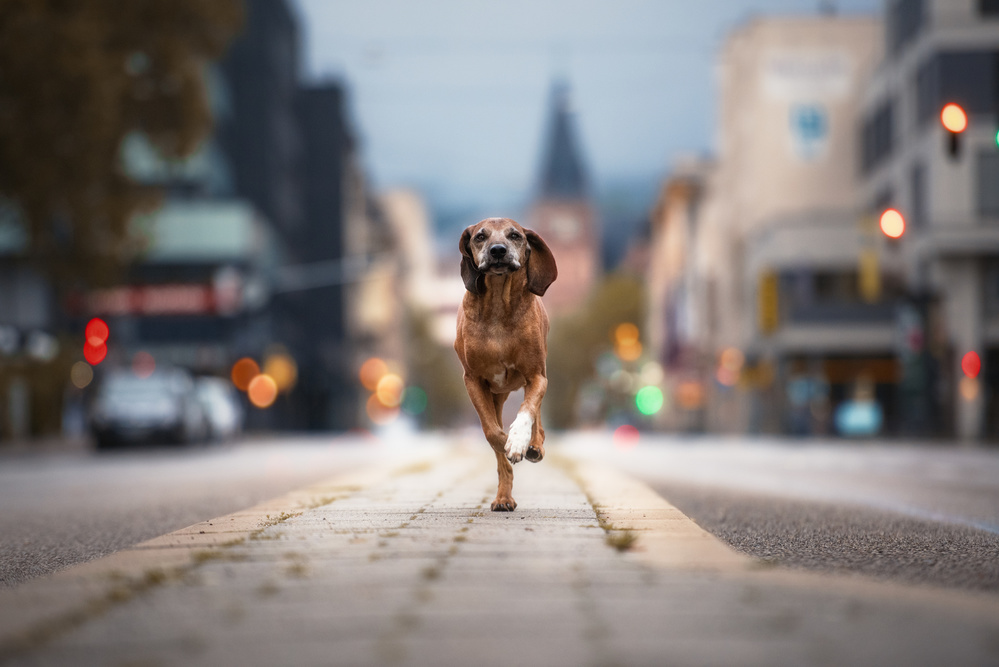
(496, 358)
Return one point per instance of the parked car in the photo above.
(223, 411)
(161, 407)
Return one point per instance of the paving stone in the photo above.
(408, 566)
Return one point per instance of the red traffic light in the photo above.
(892, 223)
(95, 346)
(94, 354)
(971, 364)
(97, 331)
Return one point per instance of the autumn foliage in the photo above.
(76, 77)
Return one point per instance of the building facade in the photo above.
(758, 316)
(940, 52)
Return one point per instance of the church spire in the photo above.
(562, 174)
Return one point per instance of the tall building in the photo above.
(261, 138)
(766, 326)
(941, 52)
(563, 212)
(293, 155)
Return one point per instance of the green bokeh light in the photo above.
(649, 400)
(414, 401)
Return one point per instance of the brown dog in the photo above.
(502, 339)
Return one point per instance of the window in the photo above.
(988, 184)
(906, 19)
(883, 199)
(969, 78)
(878, 135)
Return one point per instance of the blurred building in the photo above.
(431, 288)
(757, 308)
(198, 291)
(563, 212)
(30, 351)
(293, 155)
(254, 251)
(940, 52)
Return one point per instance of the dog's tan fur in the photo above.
(502, 338)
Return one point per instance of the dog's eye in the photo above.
(514, 236)
(480, 237)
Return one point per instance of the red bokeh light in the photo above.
(625, 436)
(94, 354)
(97, 332)
(971, 364)
(143, 364)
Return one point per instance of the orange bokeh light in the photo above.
(969, 388)
(262, 391)
(892, 223)
(628, 351)
(690, 395)
(954, 118)
(732, 359)
(243, 371)
(389, 390)
(283, 369)
(626, 333)
(378, 413)
(372, 371)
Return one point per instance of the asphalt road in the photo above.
(65, 508)
(917, 513)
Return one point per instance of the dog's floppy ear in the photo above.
(469, 269)
(541, 269)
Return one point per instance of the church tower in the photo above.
(562, 212)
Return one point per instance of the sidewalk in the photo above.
(406, 565)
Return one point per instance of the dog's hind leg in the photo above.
(489, 407)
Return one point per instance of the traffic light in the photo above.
(95, 346)
(892, 224)
(955, 121)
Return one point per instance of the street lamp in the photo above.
(955, 121)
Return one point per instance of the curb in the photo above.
(661, 536)
(639, 520)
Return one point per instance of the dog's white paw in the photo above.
(519, 437)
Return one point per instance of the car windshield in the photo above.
(130, 386)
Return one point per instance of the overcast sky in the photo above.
(451, 95)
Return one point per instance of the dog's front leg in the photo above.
(527, 437)
(484, 404)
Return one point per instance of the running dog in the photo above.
(502, 338)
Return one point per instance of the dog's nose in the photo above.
(498, 251)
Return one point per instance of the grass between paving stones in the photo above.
(617, 538)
